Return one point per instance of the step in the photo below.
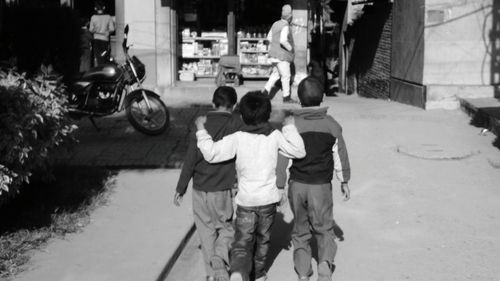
(485, 112)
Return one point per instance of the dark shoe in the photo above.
(325, 271)
(289, 100)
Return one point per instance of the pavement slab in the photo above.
(409, 218)
(133, 237)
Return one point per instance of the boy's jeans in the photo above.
(251, 240)
(312, 206)
(213, 212)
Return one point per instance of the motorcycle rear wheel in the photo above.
(152, 121)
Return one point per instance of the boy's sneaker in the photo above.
(325, 271)
(219, 268)
(236, 276)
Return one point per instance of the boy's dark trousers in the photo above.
(312, 206)
(251, 240)
(213, 212)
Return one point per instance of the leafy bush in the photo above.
(33, 122)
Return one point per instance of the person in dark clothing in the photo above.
(310, 187)
(212, 186)
(101, 26)
(85, 46)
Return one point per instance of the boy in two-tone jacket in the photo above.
(310, 183)
(212, 186)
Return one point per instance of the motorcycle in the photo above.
(113, 87)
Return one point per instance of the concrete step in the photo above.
(485, 112)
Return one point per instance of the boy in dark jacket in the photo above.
(310, 187)
(212, 185)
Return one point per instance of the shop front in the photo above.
(185, 40)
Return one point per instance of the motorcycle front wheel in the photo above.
(152, 119)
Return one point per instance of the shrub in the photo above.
(33, 122)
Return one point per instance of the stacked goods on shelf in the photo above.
(200, 55)
(254, 57)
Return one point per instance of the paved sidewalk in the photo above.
(424, 205)
(424, 200)
(131, 238)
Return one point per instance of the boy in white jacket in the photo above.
(256, 151)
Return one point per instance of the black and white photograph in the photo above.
(249, 140)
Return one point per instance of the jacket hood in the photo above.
(260, 129)
(311, 113)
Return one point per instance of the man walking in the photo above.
(281, 53)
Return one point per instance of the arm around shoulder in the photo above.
(215, 152)
(290, 143)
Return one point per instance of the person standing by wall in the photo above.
(101, 26)
(85, 46)
(281, 53)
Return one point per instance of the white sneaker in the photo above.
(236, 276)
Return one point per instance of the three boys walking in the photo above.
(249, 148)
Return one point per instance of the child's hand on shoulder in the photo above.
(289, 120)
(200, 122)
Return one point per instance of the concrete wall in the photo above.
(407, 59)
(300, 30)
(457, 42)
(457, 61)
(152, 35)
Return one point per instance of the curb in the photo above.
(173, 259)
(480, 118)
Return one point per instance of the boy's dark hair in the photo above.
(225, 96)
(255, 108)
(310, 92)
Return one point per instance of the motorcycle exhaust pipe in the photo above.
(84, 112)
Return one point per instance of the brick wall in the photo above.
(371, 56)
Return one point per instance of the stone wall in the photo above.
(371, 53)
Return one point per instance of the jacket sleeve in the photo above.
(215, 152)
(341, 160)
(111, 25)
(290, 143)
(92, 27)
(187, 171)
(281, 171)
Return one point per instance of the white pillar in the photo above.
(299, 29)
(165, 42)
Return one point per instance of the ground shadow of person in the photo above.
(281, 238)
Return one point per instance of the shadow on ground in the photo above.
(281, 238)
(48, 208)
(483, 117)
(117, 145)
